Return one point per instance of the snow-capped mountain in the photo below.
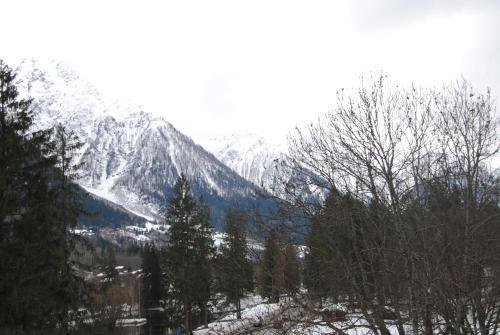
(135, 161)
(59, 94)
(129, 157)
(251, 156)
(267, 166)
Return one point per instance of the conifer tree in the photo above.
(151, 281)
(292, 269)
(152, 289)
(204, 255)
(317, 260)
(66, 143)
(69, 207)
(235, 267)
(188, 249)
(270, 275)
(38, 284)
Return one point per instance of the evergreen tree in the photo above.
(204, 255)
(292, 269)
(188, 249)
(317, 260)
(329, 238)
(38, 284)
(236, 275)
(271, 269)
(152, 289)
(69, 207)
(151, 280)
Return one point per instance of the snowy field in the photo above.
(285, 318)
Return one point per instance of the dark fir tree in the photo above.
(204, 255)
(292, 269)
(69, 205)
(319, 269)
(236, 272)
(270, 281)
(66, 143)
(317, 261)
(152, 289)
(37, 284)
(151, 280)
(328, 241)
(188, 249)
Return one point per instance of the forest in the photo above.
(387, 221)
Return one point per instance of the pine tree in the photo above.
(66, 143)
(188, 249)
(322, 267)
(271, 280)
(317, 258)
(235, 268)
(151, 281)
(323, 275)
(38, 284)
(292, 269)
(69, 208)
(152, 289)
(204, 255)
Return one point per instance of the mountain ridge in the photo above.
(129, 156)
(251, 156)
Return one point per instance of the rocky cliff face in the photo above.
(129, 157)
(252, 157)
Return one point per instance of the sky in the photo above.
(215, 68)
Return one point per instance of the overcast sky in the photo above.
(220, 67)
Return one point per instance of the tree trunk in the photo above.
(428, 320)
(187, 317)
(190, 320)
(238, 309)
(206, 316)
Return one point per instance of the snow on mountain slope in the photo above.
(267, 166)
(129, 157)
(251, 156)
(136, 160)
(60, 93)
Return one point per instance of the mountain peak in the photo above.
(130, 156)
(250, 155)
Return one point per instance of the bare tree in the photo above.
(403, 210)
(405, 170)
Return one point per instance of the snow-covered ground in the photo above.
(250, 318)
(263, 318)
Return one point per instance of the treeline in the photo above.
(187, 278)
(408, 233)
(53, 280)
